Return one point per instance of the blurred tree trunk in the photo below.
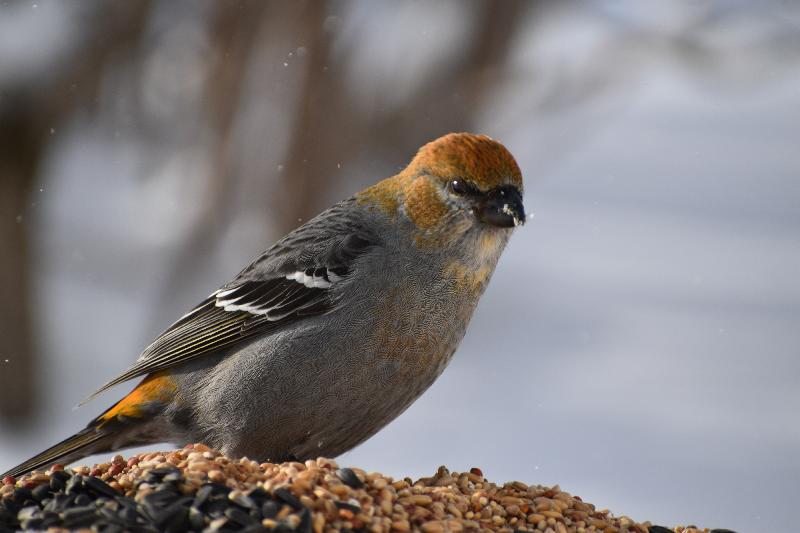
(18, 163)
(311, 152)
(28, 115)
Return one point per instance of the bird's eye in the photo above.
(460, 187)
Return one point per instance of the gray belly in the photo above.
(324, 388)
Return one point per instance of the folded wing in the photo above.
(250, 306)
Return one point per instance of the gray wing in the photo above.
(289, 282)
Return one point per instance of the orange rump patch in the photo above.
(159, 387)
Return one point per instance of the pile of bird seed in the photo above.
(199, 489)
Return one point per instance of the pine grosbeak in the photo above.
(333, 331)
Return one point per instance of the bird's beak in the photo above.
(502, 207)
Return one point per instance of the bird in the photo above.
(334, 330)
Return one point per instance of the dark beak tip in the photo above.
(503, 208)
(516, 213)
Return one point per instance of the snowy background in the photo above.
(639, 343)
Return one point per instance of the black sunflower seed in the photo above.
(254, 528)
(217, 508)
(78, 516)
(171, 488)
(202, 495)
(284, 495)
(50, 519)
(23, 495)
(162, 517)
(242, 501)
(270, 509)
(196, 518)
(206, 492)
(154, 503)
(58, 502)
(349, 478)
(109, 528)
(129, 514)
(9, 506)
(82, 500)
(6, 517)
(60, 475)
(305, 522)
(108, 513)
(78, 511)
(32, 524)
(158, 499)
(99, 486)
(157, 475)
(176, 516)
(240, 517)
(259, 495)
(41, 492)
(74, 484)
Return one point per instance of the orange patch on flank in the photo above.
(157, 387)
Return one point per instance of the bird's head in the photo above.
(460, 184)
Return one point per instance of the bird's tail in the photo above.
(122, 425)
(91, 440)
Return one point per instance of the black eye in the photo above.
(461, 187)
